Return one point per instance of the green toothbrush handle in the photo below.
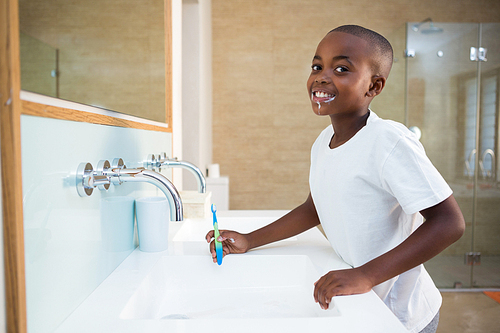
(218, 245)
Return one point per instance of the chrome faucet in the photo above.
(488, 173)
(87, 180)
(162, 160)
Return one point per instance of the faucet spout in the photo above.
(153, 161)
(157, 179)
(200, 178)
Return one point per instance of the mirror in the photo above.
(104, 53)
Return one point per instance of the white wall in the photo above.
(69, 250)
(196, 86)
(177, 89)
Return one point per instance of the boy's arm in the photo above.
(444, 224)
(298, 220)
(302, 218)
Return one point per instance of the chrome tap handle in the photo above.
(100, 182)
(152, 162)
(149, 162)
(116, 164)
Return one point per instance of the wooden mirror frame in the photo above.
(11, 108)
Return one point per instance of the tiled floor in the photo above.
(469, 312)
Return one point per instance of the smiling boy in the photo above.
(371, 186)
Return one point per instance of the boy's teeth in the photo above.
(321, 94)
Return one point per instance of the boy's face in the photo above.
(341, 75)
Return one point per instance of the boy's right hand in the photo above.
(232, 242)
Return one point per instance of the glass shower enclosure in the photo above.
(39, 66)
(452, 97)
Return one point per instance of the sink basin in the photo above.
(192, 232)
(244, 286)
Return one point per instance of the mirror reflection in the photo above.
(104, 53)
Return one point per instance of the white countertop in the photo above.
(103, 310)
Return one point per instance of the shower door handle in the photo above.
(478, 54)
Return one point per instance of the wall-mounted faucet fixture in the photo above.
(159, 161)
(117, 173)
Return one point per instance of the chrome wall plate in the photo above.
(84, 179)
(102, 167)
(117, 163)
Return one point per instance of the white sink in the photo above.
(196, 231)
(268, 290)
(244, 286)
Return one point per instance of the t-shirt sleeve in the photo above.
(411, 178)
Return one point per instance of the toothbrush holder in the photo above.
(153, 217)
(117, 223)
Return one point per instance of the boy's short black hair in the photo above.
(384, 54)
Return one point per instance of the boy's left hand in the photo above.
(340, 283)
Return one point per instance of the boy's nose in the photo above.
(322, 78)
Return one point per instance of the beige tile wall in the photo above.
(112, 53)
(263, 126)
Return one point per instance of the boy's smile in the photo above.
(341, 75)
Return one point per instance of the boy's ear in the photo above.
(376, 86)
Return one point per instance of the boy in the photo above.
(370, 185)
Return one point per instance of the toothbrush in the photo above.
(218, 245)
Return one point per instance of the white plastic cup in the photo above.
(117, 223)
(153, 217)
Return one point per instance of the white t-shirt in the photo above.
(368, 193)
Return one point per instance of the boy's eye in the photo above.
(341, 69)
(316, 67)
